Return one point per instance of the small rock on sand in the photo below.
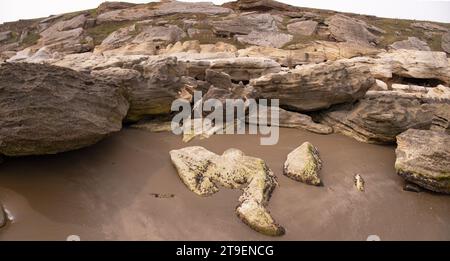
(303, 164)
(359, 182)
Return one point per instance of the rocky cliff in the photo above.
(69, 80)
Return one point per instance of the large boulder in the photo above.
(423, 157)
(150, 88)
(347, 29)
(317, 86)
(303, 164)
(203, 172)
(412, 43)
(380, 119)
(305, 28)
(409, 64)
(67, 36)
(47, 109)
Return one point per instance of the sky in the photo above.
(432, 10)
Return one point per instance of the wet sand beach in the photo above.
(109, 191)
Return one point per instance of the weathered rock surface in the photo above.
(203, 172)
(143, 12)
(67, 36)
(263, 5)
(239, 69)
(381, 119)
(317, 86)
(303, 164)
(175, 7)
(429, 26)
(245, 24)
(423, 157)
(408, 64)
(269, 39)
(194, 46)
(445, 43)
(347, 29)
(316, 52)
(4, 36)
(47, 109)
(288, 119)
(440, 93)
(111, 6)
(412, 43)
(148, 40)
(303, 27)
(151, 90)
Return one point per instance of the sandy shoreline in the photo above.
(106, 192)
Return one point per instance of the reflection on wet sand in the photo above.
(126, 188)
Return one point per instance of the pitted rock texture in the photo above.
(303, 164)
(423, 158)
(203, 172)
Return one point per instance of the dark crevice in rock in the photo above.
(426, 82)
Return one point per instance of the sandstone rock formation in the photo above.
(303, 27)
(265, 5)
(303, 164)
(380, 119)
(245, 24)
(288, 119)
(445, 43)
(314, 87)
(268, 39)
(203, 172)
(47, 109)
(4, 36)
(412, 43)
(143, 12)
(409, 64)
(316, 52)
(429, 26)
(147, 40)
(151, 89)
(240, 69)
(423, 157)
(347, 29)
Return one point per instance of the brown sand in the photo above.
(108, 191)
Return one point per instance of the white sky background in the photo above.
(432, 10)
